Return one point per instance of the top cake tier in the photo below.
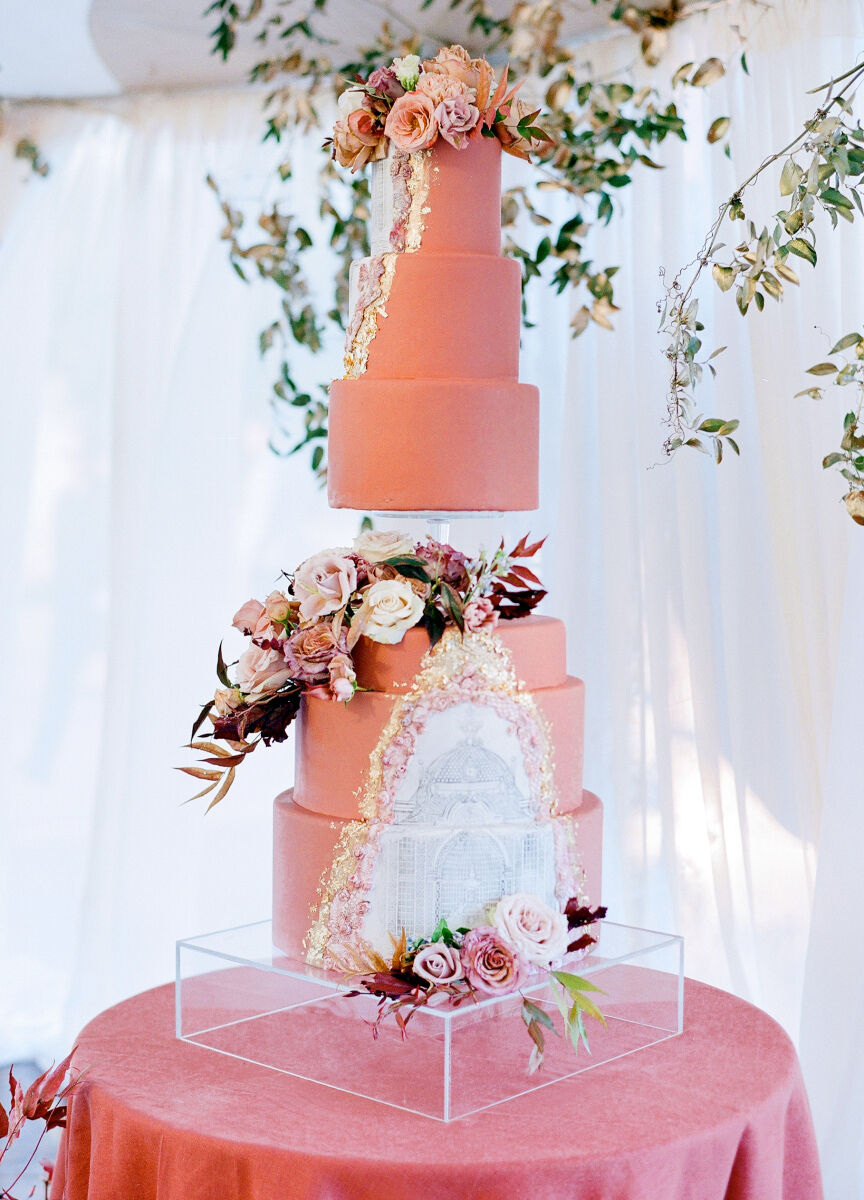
(430, 416)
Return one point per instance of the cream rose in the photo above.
(539, 933)
(389, 608)
(350, 100)
(323, 583)
(260, 670)
(437, 963)
(376, 545)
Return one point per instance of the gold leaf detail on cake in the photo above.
(418, 189)
(357, 347)
(483, 657)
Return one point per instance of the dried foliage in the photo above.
(822, 173)
(601, 132)
(44, 1100)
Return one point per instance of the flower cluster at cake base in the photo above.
(523, 940)
(410, 104)
(301, 637)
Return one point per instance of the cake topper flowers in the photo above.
(522, 940)
(411, 104)
(301, 636)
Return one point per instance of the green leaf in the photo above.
(453, 604)
(823, 368)
(711, 425)
(411, 566)
(532, 1012)
(803, 250)
(831, 196)
(576, 982)
(850, 339)
(728, 427)
(222, 670)
(832, 459)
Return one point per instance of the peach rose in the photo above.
(536, 931)
(443, 87)
(389, 609)
(353, 152)
(260, 670)
(377, 544)
(277, 607)
(438, 963)
(456, 118)
(491, 965)
(475, 73)
(227, 699)
(411, 123)
(323, 583)
(247, 617)
(363, 126)
(480, 614)
(308, 652)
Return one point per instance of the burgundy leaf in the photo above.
(581, 942)
(579, 914)
(4, 1121)
(386, 984)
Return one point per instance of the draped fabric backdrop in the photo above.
(714, 614)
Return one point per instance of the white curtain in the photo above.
(712, 613)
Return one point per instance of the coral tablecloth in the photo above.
(719, 1113)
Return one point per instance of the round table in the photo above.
(719, 1113)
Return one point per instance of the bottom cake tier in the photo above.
(544, 858)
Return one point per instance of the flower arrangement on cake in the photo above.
(522, 939)
(301, 637)
(411, 103)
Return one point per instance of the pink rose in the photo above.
(480, 614)
(446, 563)
(411, 123)
(456, 118)
(491, 965)
(537, 932)
(342, 677)
(308, 652)
(323, 583)
(474, 73)
(261, 670)
(247, 617)
(438, 963)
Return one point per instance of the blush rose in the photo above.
(377, 544)
(308, 652)
(437, 963)
(536, 931)
(491, 964)
(260, 670)
(456, 118)
(411, 123)
(323, 583)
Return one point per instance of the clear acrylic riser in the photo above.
(237, 994)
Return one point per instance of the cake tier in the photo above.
(304, 845)
(462, 210)
(334, 742)
(537, 644)
(431, 445)
(448, 316)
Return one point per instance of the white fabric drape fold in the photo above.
(714, 614)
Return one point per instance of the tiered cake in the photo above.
(454, 776)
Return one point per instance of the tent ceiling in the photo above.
(99, 47)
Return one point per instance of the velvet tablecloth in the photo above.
(718, 1113)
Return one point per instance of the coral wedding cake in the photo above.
(438, 809)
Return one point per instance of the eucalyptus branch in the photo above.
(832, 179)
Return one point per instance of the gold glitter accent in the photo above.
(418, 190)
(357, 351)
(481, 655)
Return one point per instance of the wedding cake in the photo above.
(439, 739)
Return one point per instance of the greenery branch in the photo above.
(828, 179)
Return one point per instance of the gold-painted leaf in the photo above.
(682, 73)
(229, 779)
(718, 129)
(823, 368)
(786, 273)
(851, 339)
(709, 72)
(724, 277)
(790, 177)
(200, 772)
